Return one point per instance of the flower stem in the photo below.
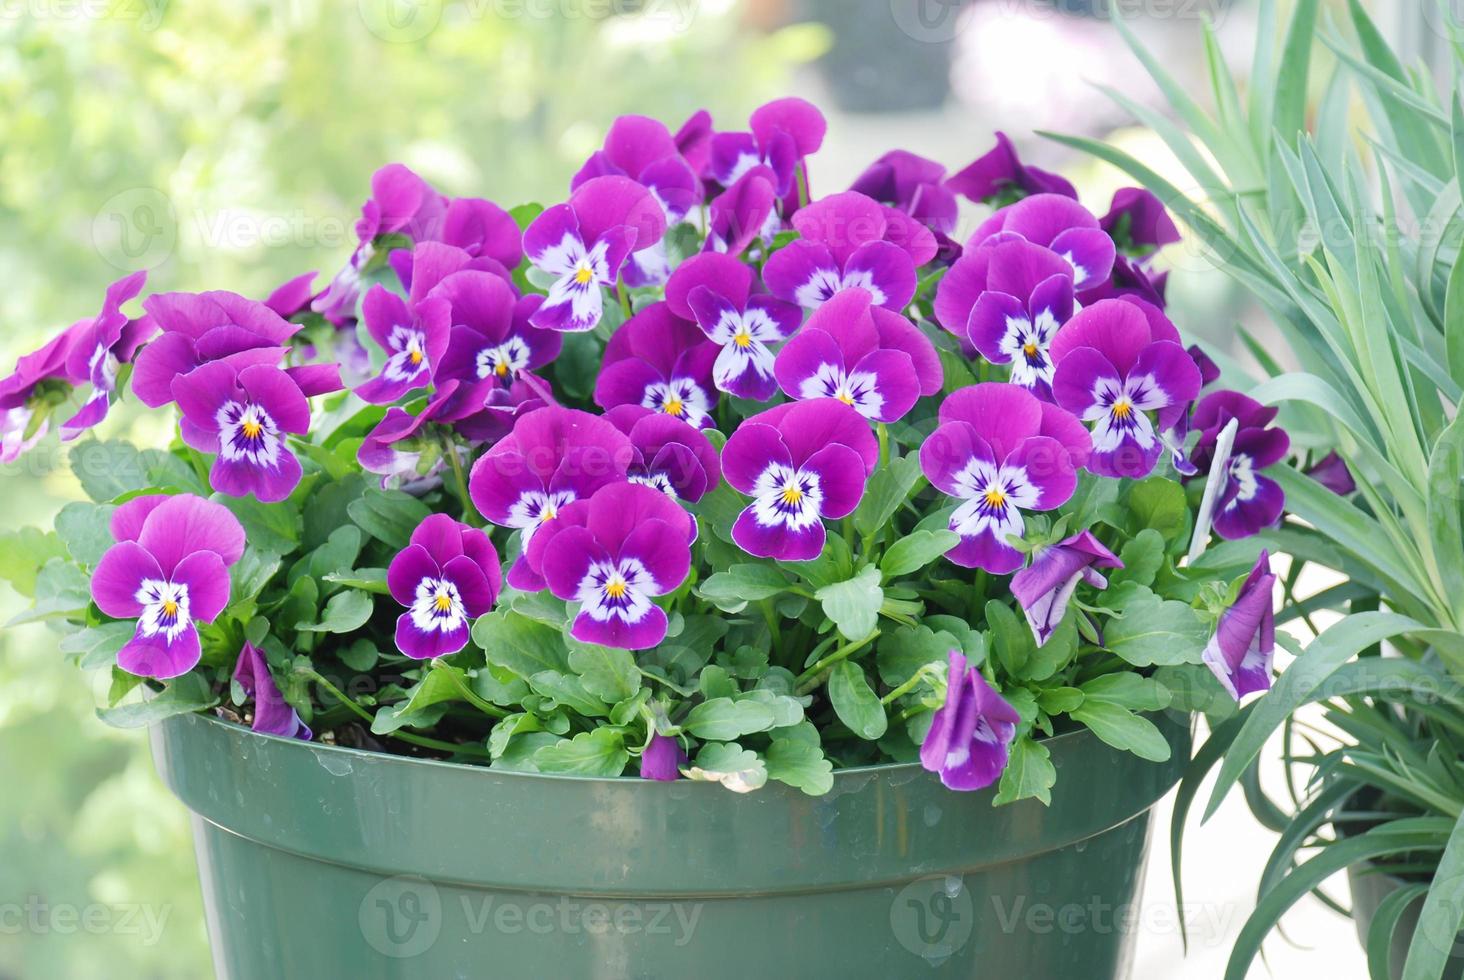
(916, 679)
(470, 513)
(418, 740)
(811, 678)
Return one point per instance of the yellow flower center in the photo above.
(443, 602)
(845, 397)
(549, 514)
(1030, 349)
(1122, 409)
(673, 406)
(583, 275)
(501, 369)
(251, 429)
(170, 608)
(416, 357)
(615, 588)
(995, 498)
(792, 495)
(742, 339)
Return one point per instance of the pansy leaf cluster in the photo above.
(697, 473)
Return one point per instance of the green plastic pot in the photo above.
(319, 861)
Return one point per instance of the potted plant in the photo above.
(1360, 267)
(626, 585)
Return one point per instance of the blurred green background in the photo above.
(229, 145)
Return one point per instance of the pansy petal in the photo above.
(156, 656)
(118, 577)
(886, 270)
(778, 540)
(207, 579)
(184, 524)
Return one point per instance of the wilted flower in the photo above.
(715, 290)
(584, 243)
(1241, 651)
(447, 576)
(1007, 301)
(661, 362)
(1044, 588)
(1247, 500)
(663, 758)
(843, 354)
(273, 715)
(800, 463)
(971, 733)
(1001, 451)
(1117, 361)
(613, 554)
(168, 570)
(244, 417)
(1000, 177)
(843, 244)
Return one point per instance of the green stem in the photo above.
(418, 740)
(802, 176)
(469, 695)
(623, 296)
(470, 513)
(809, 679)
(916, 679)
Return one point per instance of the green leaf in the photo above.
(437, 688)
(389, 516)
(182, 696)
(1160, 504)
(1442, 914)
(338, 553)
(1142, 557)
(1029, 774)
(1156, 631)
(568, 690)
(86, 530)
(733, 589)
(271, 527)
(916, 550)
(61, 589)
(904, 650)
(1059, 650)
(366, 579)
(1059, 700)
(1123, 729)
(97, 646)
(345, 612)
(250, 575)
(1010, 637)
(855, 702)
(728, 763)
(108, 470)
(598, 752)
(801, 765)
(853, 605)
(889, 487)
(520, 644)
(609, 673)
(1128, 690)
(23, 553)
(722, 719)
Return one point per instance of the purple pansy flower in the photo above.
(1331, 472)
(1007, 301)
(479, 411)
(1044, 588)
(841, 354)
(784, 133)
(1000, 451)
(642, 149)
(714, 290)
(800, 463)
(663, 758)
(553, 456)
(292, 297)
(1241, 651)
(492, 336)
(244, 417)
(584, 243)
(273, 715)
(1128, 278)
(1001, 176)
(668, 454)
(1117, 361)
(1247, 500)
(694, 141)
(914, 185)
(99, 346)
(1138, 223)
(1055, 222)
(199, 328)
(613, 554)
(31, 370)
(660, 361)
(743, 213)
(971, 733)
(843, 245)
(168, 570)
(447, 576)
